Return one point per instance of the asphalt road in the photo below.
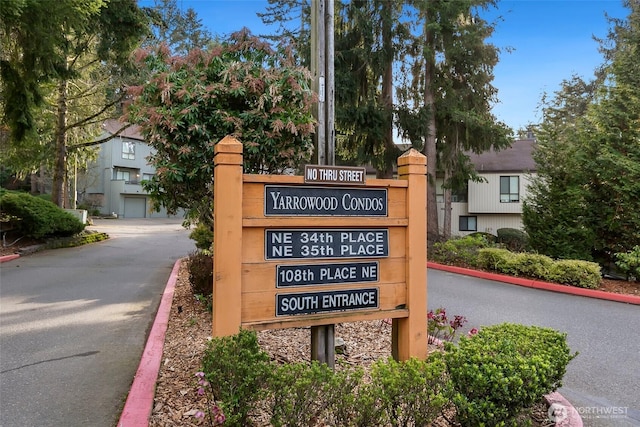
(603, 381)
(74, 323)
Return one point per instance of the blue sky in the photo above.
(551, 41)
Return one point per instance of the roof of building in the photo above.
(517, 158)
(113, 126)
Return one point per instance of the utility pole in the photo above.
(322, 68)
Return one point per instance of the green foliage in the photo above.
(513, 239)
(83, 238)
(203, 236)
(585, 200)
(583, 274)
(298, 392)
(503, 370)
(200, 266)
(38, 218)
(242, 88)
(238, 372)
(629, 262)
(412, 392)
(460, 251)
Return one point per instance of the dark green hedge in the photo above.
(38, 218)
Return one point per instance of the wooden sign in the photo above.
(275, 237)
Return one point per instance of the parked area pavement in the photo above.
(74, 322)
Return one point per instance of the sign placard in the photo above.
(324, 201)
(326, 243)
(322, 302)
(339, 175)
(326, 274)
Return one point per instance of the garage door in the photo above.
(135, 207)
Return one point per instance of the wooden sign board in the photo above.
(290, 254)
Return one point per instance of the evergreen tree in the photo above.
(587, 196)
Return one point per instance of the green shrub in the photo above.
(413, 391)
(200, 267)
(629, 262)
(495, 259)
(239, 372)
(460, 251)
(299, 393)
(503, 370)
(203, 236)
(513, 239)
(351, 402)
(488, 237)
(533, 265)
(583, 274)
(39, 218)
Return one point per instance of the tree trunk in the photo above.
(59, 169)
(390, 152)
(446, 227)
(433, 230)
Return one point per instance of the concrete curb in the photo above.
(139, 404)
(564, 411)
(6, 258)
(530, 283)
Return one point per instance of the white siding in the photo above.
(484, 197)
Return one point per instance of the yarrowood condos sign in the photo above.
(324, 201)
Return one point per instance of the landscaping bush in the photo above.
(459, 251)
(299, 393)
(533, 265)
(513, 239)
(38, 218)
(200, 267)
(238, 371)
(629, 262)
(503, 370)
(412, 392)
(583, 274)
(495, 259)
(203, 236)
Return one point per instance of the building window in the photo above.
(468, 223)
(128, 150)
(509, 189)
(122, 175)
(147, 176)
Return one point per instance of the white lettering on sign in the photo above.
(318, 302)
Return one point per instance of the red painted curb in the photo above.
(6, 258)
(567, 415)
(536, 284)
(139, 404)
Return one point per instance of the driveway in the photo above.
(603, 381)
(74, 322)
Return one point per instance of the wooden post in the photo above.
(410, 334)
(227, 237)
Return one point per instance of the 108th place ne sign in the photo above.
(289, 252)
